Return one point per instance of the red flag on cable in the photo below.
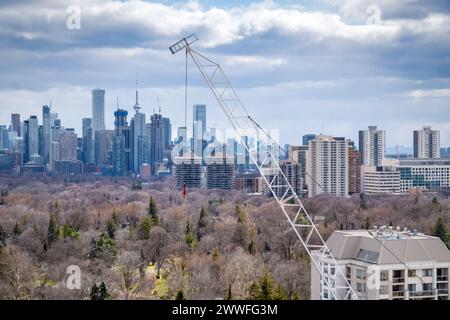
(183, 191)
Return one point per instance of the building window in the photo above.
(412, 287)
(384, 289)
(411, 273)
(361, 274)
(384, 275)
(348, 271)
(427, 272)
(332, 270)
(361, 287)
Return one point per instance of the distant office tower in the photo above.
(56, 153)
(307, 138)
(167, 140)
(118, 155)
(427, 143)
(88, 140)
(4, 140)
(121, 143)
(139, 137)
(188, 171)
(15, 123)
(354, 169)
(157, 142)
(98, 109)
(68, 145)
(327, 166)
(298, 154)
(46, 127)
(41, 142)
(103, 147)
(199, 128)
(33, 136)
(220, 172)
(372, 144)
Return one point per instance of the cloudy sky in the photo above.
(326, 66)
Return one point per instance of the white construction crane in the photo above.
(267, 163)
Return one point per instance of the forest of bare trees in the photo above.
(147, 242)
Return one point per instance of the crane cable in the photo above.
(318, 184)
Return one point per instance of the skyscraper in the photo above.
(33, 136)
(157, 142)
(98, 109)
(198, 128)
(121, 145)
(327, 166)
(15, 123)
(167, 131)
(427, 143)
(46, 134)
(88, 152)
(371, 146)
(68, 145)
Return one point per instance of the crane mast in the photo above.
(265, 157)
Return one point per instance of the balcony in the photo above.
(425, 293)
(398, 280)
(398, 294)
(442, 291)
(442, 278)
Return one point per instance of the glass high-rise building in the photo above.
(46, 133)
(199, 128)
(98, 109)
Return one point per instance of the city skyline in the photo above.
(306, 60)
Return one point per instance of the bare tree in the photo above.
(17, 274)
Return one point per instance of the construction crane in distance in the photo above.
(266, 160)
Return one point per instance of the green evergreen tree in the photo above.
(180, 295)
(153, 211)
(266, 246)
(435, 201)
(17, 229)
(111, 227)
(265, 288)
(202, 223)
(93, 249)
(103, 292)
(2, 236)
(144, 227)
(95, 292)
(440, 230)
(53, 230)
(189, 236)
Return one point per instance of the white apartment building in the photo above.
(327, 166)
(427, 143)
(384, 264)
(372, 143)
(425, 174)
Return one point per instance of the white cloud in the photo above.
(425, 94)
